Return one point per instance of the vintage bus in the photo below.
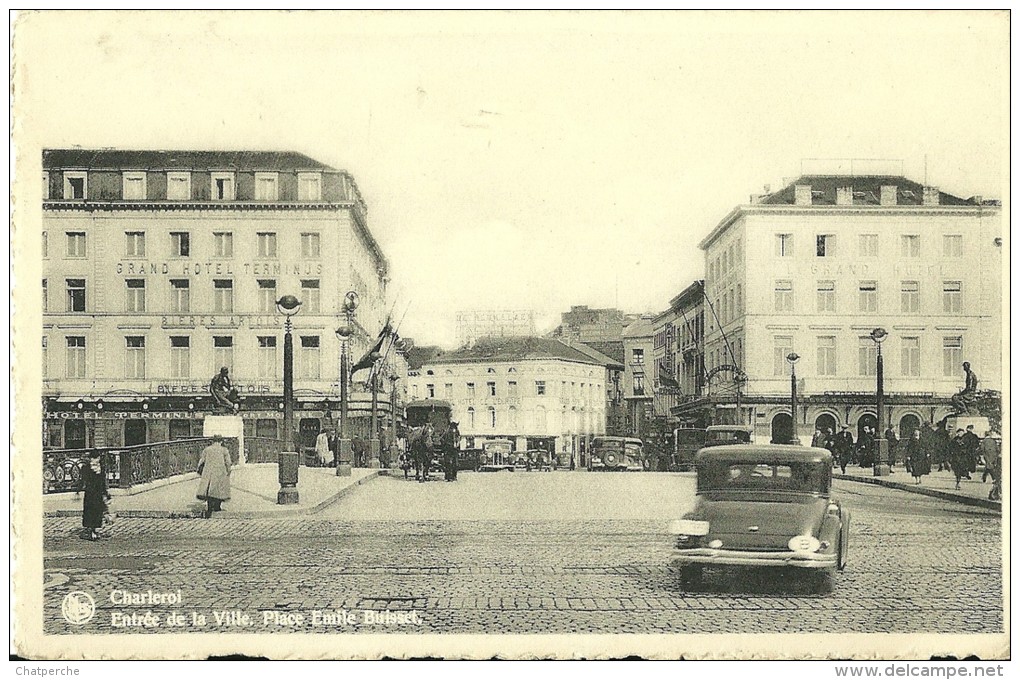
(616, 453)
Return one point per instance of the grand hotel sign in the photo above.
(224, 268)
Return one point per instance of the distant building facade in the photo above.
(677, 350)
(472, 325)
(813, 268)
(161, 267)
(539, 393)
(639, 375)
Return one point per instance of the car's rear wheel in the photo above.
(691, 575)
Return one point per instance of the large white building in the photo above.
(539, 393)
(160, 267)
(813, 268)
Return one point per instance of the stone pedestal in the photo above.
(344, 459)
(881, 467)
(980, 423)
(226, 426)
(289, 465)
(373, 453)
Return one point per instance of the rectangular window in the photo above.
(75, 360)
(76, 295)
(639, 385)
(180, 296)
(46, 186)
(637, 356)
(267, 296)
(135, 357)
(223, 296)
(180, 243)
(223, 352)
(310, 357)
(910, 357)
(266, 243)
(45, 358)
(134, 186)
(309, 245)
(265, 186)
(867, 356)
(45, 244)
(825, 245)
(430, 391)
(492, 417)
(267, 356)
(952, 355)
(448, 391)
(180, 356)
(178, 186)
(826, 296)
(75, 185)
(952, 297)
(310, 298)
(910, 297)
(135, 241)
(492, 388)
(952, 245)
(75, 243)
(222, 186)
(867, 245)
(868, 296)
(827, 355)
(540, 387)
(135, 295)
(45, 297)
(511, 388)
(223, 243)
(782, 345)
(471, 391)
(309, 186)
(910, 245)
(784, 296)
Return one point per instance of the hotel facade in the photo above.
(814, 268)
(161, 267)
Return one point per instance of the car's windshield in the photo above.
(733, 476)
(729, 436)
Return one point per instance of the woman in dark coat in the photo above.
(916, 456)
(93, 483)
(959, 456)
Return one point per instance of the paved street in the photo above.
(527, 553)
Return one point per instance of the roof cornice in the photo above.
(93, 206)
(828, 210)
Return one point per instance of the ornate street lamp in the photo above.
(881, 467)
(343, 333)
(289, 461)
(793, 358)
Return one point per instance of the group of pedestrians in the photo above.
(926, 447)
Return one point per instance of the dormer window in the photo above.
(309, 186)
(178, 186)
(134, 186)
(265, 186)
(222, 186)
(75, 186)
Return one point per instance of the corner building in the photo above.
(162, 266)
(815, 267)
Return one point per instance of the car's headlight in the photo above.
(804, 544)
(688, 527)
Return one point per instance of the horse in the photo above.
(420, 443)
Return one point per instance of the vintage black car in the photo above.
(764, 505)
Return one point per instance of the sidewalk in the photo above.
(937, 484)
(252, 494)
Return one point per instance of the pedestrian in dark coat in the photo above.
(866, 448)
(94, 505)
(890, 436)
(916, 457)
(991, 449)
(959, 457)
(942, 447)
(214, 466)
(973, 447)
(843, 446)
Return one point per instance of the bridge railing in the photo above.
(262, 449)
(126, 466)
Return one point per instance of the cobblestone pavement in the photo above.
(531, 553)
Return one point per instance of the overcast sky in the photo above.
(536, 161)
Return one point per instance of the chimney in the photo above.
(978, 200)
(844, 195)
(768, 188)
(802, 194)
(755, 198)
(888, 195)
(931, 196)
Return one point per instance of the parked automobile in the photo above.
(687, 441)
(722, 435)
(469, 459)
(616, 453)
(764, 505)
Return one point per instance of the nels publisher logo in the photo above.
(78, 608)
